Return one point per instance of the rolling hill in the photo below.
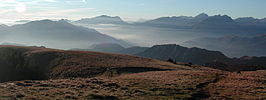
(38, 63)
(42, 73)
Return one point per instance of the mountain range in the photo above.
(178, 29)
(233, 46)
(214, 59)
(103, 19)
(251, 21)
(216, 23)
(177, 53)
(189, 21)
(56, 34)
(182, 54)
(202, 22)
(176, 21)
(199, 57)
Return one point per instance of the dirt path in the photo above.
(202, 92)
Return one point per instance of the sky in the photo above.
(130, 10)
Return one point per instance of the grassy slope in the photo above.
(162, 85)
(249, 85)
(92, 75)
(41, 63)
(139, 86)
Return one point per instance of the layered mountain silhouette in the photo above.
(103, 19)
(201, 22)
(215, 24)
(169, 22)
(177, 53)
(233, 46)
(251, 21)
(56, 34)
(246, 20)
(214, 59)
(176, 21)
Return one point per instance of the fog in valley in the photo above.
(149, 36)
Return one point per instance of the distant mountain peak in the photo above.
(106, 16)
(246, 18)
(103, 19)
(219, 19)
(41, 21)
(64, 20)
(48, 23)
(222, 16)
(103, 16)
(202, 15)
(166, 45)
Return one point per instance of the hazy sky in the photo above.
(127, 9)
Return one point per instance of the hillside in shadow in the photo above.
(36, 63)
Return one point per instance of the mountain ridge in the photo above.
(103, 19)
(57, 34)
(233, 46)
(182, 54)
(213, 59)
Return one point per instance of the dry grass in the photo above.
(159, 85)
(140, 86)
(245, 86)
(87, 64)
(103, 76)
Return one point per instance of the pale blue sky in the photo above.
(127, 9)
